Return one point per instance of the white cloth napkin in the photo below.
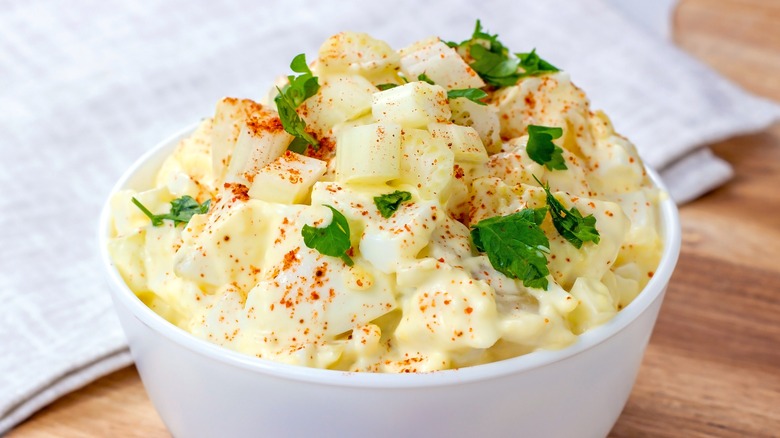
(88, 86)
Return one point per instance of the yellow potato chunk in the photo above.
(368, 154)
(357, 53)
(462, 140)
(483, 118)
(246, 136)
(439, 62)
(413, 105)
(339, 99)
(288, 179)
(427, 164)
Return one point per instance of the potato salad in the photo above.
(439, 206)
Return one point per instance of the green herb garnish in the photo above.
(389, 203)
(493, 62)
(182, 210)
(495, 69)
(473, 94)
(533, 65)
(422, 77)
(387, 86)
(293, 94)
(541, 148)
(303, 86)
(570, 223)
(516, 245)
(332, 240)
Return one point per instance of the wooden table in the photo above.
(713, 365)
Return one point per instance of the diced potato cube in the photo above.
(227, 245)
(193, 158)
(368, 154)
(360, 121)
(439, 62)
(483, 118)
(387, 246)
(246, 136)
(462, 140)
(339, 99)
(413, 105)
(180, 184)
(260, 142)
(356, 53)
(288, 179)
(426, 164)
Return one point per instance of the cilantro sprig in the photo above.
(570, 223)
(516, 245)
(540, 147)
(290, 97)
(389, 203)
(495, 64)
(182, 210)
(332, 240)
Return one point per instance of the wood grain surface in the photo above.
(712, 368)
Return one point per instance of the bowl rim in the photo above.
(670, 228)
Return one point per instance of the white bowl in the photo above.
(203, 390)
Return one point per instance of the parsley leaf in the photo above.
(389, 203)
(303, 86)
(182, 210)
(473, 94)
(290, 97)
(541, 148)
(299, 65)
(570, 223)
(495, 69)
(422, 77)
(486, 40)
(516, 245)
(332, 240)
(493, 62)
(387, 86)
(299, 144)
(293, 123)
(533, 65)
